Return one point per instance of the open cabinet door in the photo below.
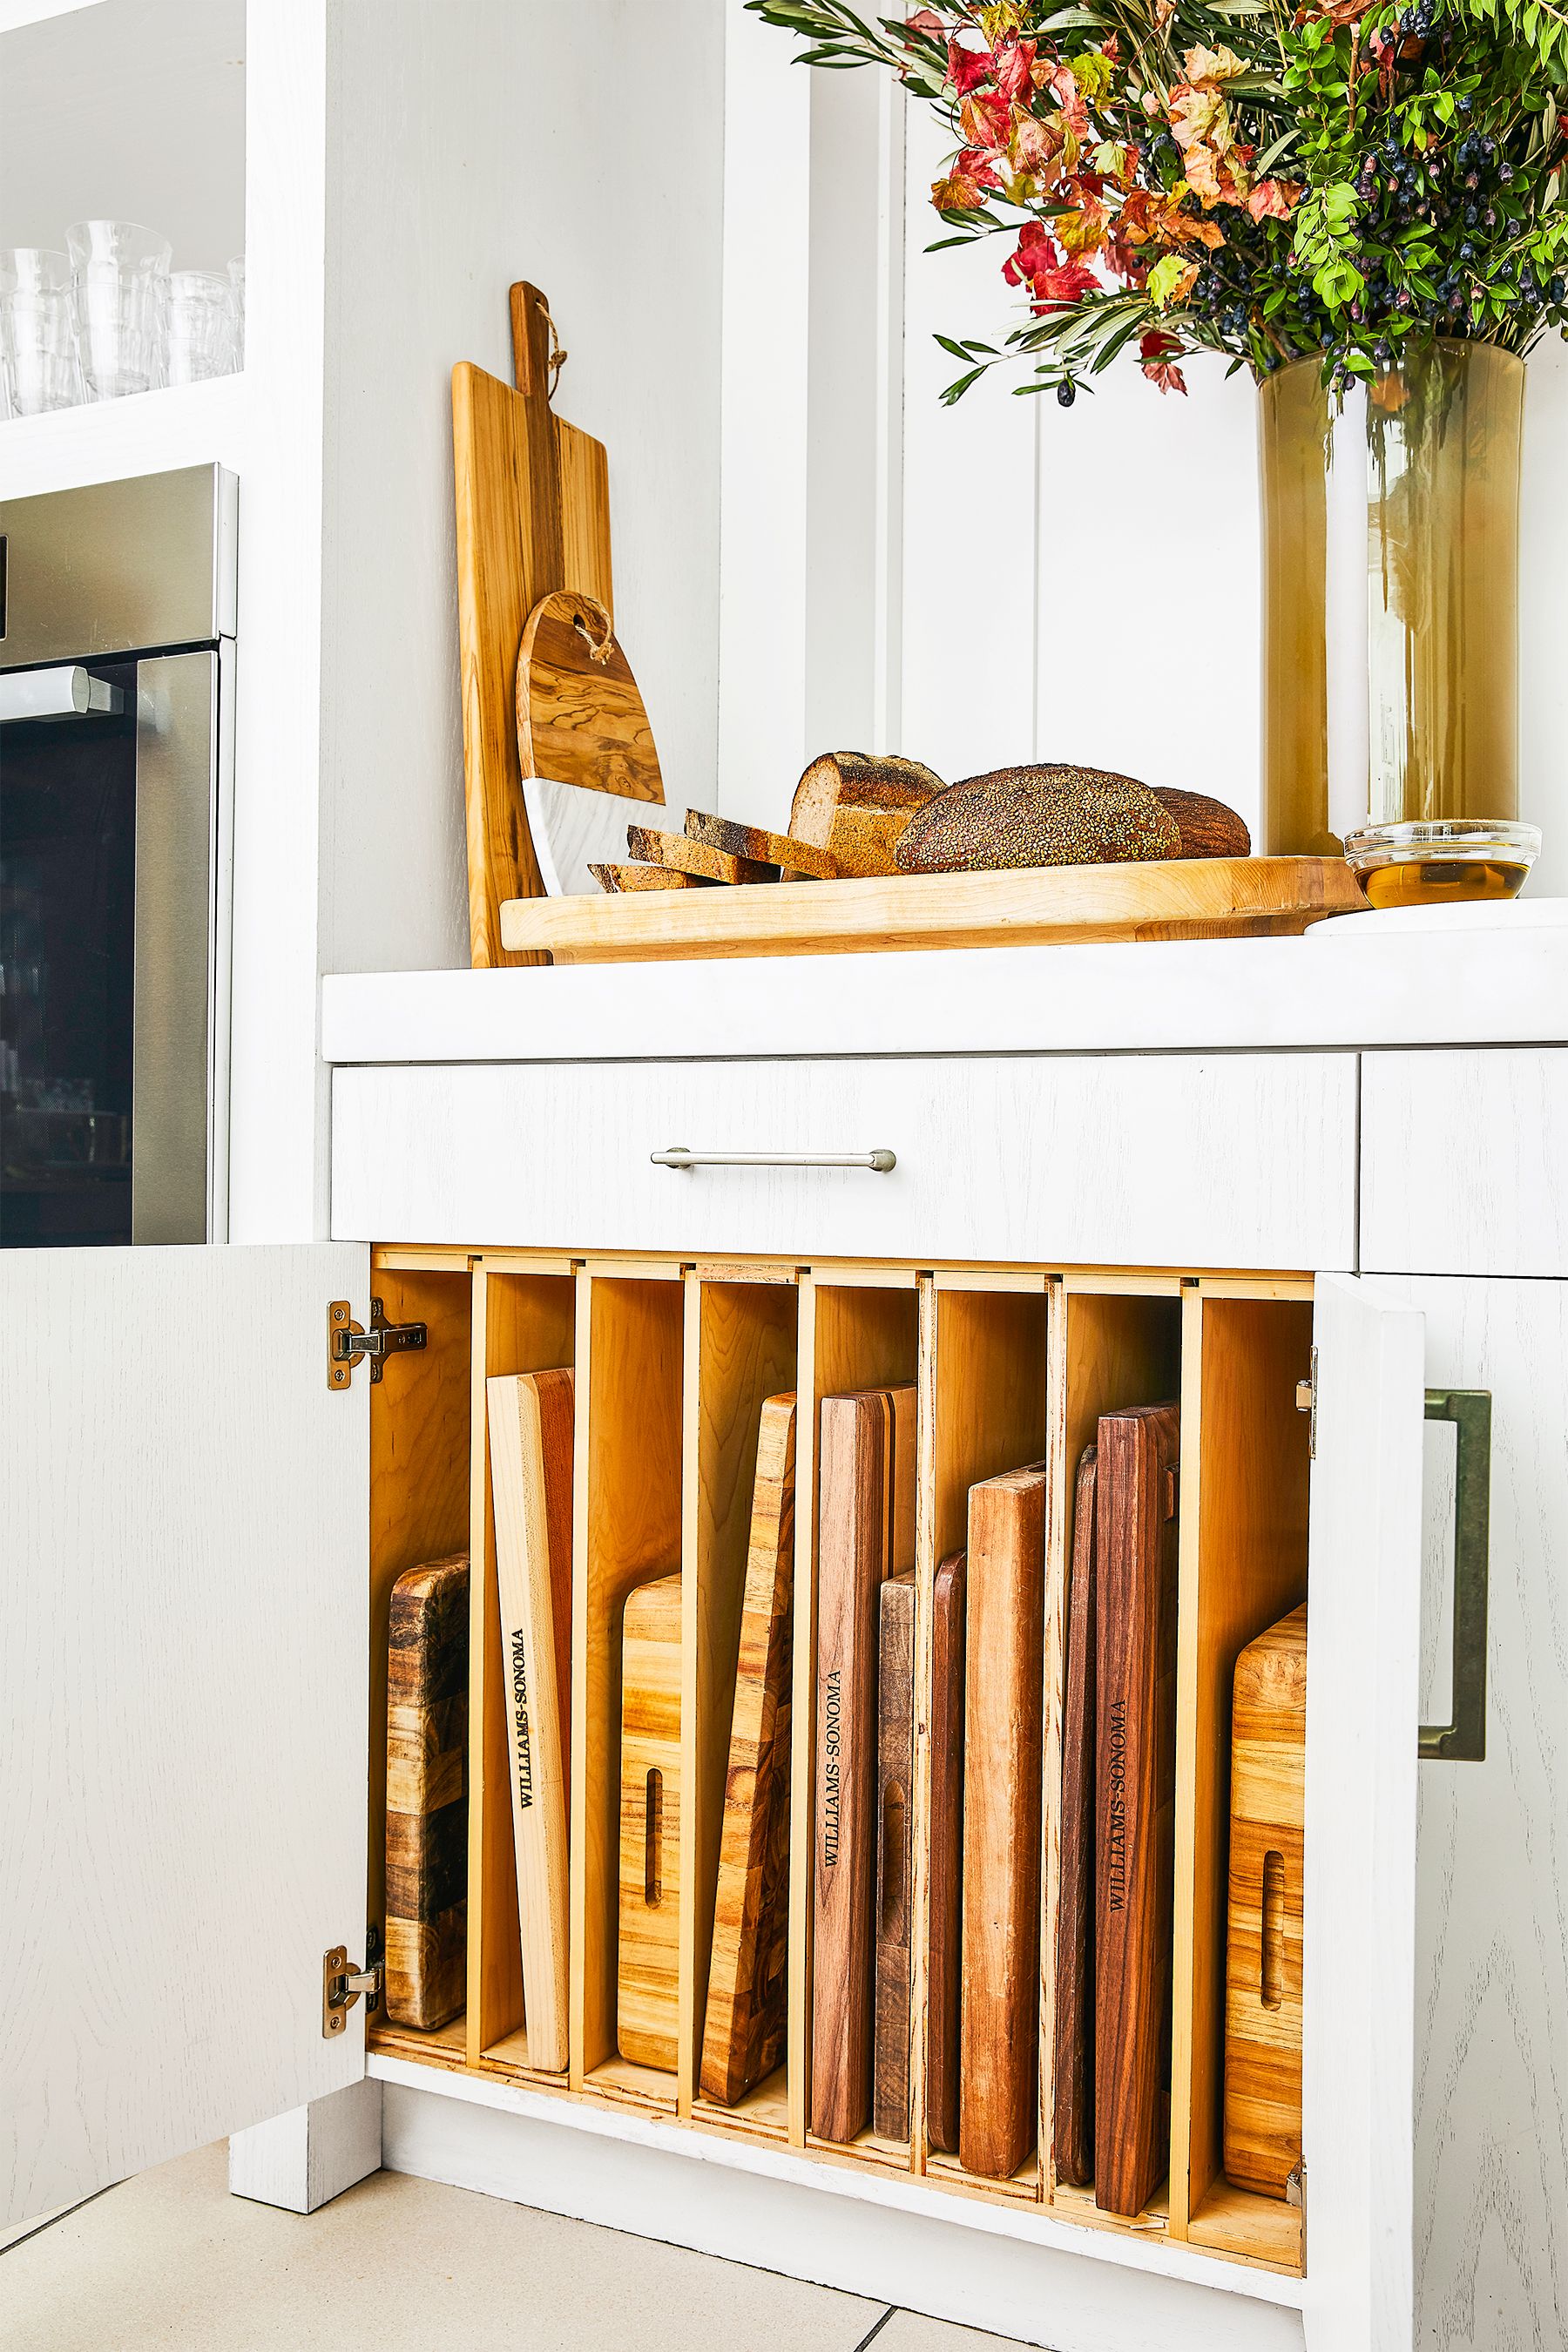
(183, 1513)
(1364, 1633)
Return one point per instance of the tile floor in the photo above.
(171, 2262)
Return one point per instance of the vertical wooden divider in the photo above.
(626, 1527)
(522, 1322)
(1190, 1508)
(858, 1329)
(919, 1816)
(742, 1343)
(1059, 1519)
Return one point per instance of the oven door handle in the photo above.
(64, 693)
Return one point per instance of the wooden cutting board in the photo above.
(648, 1961)
(865, 1504)
(999, 2014)
(426, 1794)
(533, 514)
(945, 1959)
(1177, 899)
(1072, 2136)
(895, 1786)
(1135, 1781)
(1263, 1952)
(530, 1431)
(579, 714)
(744, 2036)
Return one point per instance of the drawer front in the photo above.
(1138, 1159)
(1462, 1161)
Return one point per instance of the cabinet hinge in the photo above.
(1307, 1402)
(343, 1983)
(347, 1341)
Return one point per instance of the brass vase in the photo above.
(1390, 596)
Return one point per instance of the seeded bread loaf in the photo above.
(856, 807)
(1207, 827)
(1048, 815)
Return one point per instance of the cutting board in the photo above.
(530, 1427)
(533, 514)
(1134, 1801)
(944, 1957)
(895, 1786)
(648, 1958)
(999, 2008)
(580, 716)
(1072, 2136)
(426, 1794)
(865, 1520)
(743, 2035)
(1263, 1950)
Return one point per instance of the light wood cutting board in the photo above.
(533, 514)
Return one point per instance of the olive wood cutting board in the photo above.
(895, 1787)
(533, 515)
(1172, 898)
(426, 1794)
(580, 716)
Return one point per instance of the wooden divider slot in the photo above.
(627, 1530)
(521, 1323)
(984, 1386)
(1111, 1347)
(741, 1349)
(419, 1420)
(856, 1332)
(1244, 1465)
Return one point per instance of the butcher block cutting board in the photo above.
(648, 1961)
(1263, 1952)
(1174, 899)
(533, 514)
(426, 1794)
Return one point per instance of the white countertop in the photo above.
(1455, 975)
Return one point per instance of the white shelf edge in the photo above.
(151, 432)
(1027, 2225)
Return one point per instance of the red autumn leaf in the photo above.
(967, 69)
(1274, 199)
(1157, 353)
(965, 185)
(1037, 251)
(1058, 289)
(924, 20)
(1015, 70)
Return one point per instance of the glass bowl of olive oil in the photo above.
(1438, 862)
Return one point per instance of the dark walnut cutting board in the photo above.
(428, 1794)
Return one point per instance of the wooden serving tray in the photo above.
(1177, 899)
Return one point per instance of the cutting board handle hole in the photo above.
(653, 1841)
(1273, 1937)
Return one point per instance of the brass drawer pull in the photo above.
(1464, 1741)
(680, 1156)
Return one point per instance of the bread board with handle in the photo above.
(426, 1794)
(648, 1947)
(1263, 1947)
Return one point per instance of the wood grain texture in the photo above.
(684, 856)
(866, 1468)
(1245, 1470)
(579, 714)
(743, 2035)
(796, 859)
(1263, 1947)
(1201, 898)
(895, 1787)
(648, 1959)
(521, 1321)
(531, 1419)
(1137, 1455)
(945, 1907)
(1073, 2070)
(1001, 1759)
(533, 515)
(426, 1793)
(1490, 1128)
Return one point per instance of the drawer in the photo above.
(1138, 1159)
(1462, 1157)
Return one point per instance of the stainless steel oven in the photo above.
(117, 633)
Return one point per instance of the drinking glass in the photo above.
(201, 326)
(120, 283)
(39, 365)
(237, 290)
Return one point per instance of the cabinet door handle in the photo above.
(680, 1156)
(1464, 1741)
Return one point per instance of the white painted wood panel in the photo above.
(305, 2158)
(1363, 1643)
(1491, 1927)
(1462, 1162)
(182, 1701)
(995, 2266)
(1233, 1160)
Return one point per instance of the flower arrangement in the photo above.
(1348, 178)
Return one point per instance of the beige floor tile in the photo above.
(906, 2331)
(171, 2262)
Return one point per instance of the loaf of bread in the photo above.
(1048, 816)
(1207, 827)
(856, 807)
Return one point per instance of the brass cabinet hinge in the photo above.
(343, 1983)
(1307, 1402)
(347, 1341)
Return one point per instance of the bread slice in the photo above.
(648, 877)
(685, 857)
(754, 841)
